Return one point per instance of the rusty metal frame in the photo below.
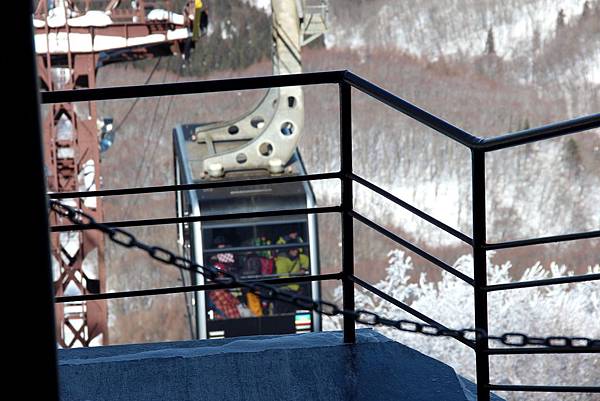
(80, 323)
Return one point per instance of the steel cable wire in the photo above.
(122, 121)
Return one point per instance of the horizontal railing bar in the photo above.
(187, 187)
(543, 240)
(192, 87)
(412, 111)
(544, 132)
(412, 247)
(547, 389)
(412, 209)
(328, 77)
(274, 247)
(543, 282)
(190, 219)
(406, 308)
(544, 350)
(193, 288)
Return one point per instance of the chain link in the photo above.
(270, 292)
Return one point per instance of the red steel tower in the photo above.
(73, 39)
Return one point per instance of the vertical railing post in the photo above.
(27, 226)
(347, 219)
(480, 273)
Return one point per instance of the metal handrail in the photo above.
(193, 87)
(209, 217)
(411, 110)
(541, 133)
(329, 77)
(452, 231)
(347, 80)
(196, 186)
(195, 288)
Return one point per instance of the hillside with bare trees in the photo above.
(540, 189)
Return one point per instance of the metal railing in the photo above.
(346, 81)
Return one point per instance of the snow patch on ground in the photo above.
(264, 5)
(523, 190)
(450, 29)
(440, 200)
(592, 65)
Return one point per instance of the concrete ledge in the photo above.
(314, 366)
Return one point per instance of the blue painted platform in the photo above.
(313, 366)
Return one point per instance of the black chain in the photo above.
(270, 292)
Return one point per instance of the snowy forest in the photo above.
(540, 311)
(488, 67)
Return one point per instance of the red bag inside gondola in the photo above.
(266, 266)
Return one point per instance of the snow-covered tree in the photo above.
(490, 45)
(562, 310)
(560, 20)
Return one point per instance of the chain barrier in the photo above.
(270, 292)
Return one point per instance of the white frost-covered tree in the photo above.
(561, 310)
